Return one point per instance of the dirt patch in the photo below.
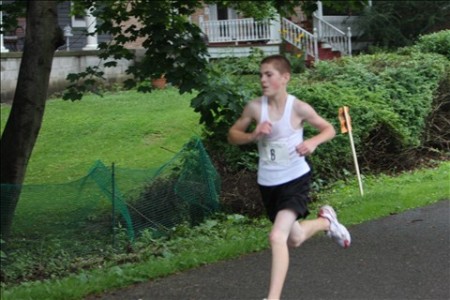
(239, 189)
(240, 194)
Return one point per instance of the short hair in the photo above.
(279, 62)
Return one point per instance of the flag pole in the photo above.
(346, 127)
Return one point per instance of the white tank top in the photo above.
(278, 161)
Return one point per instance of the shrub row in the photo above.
(390, 96)
(398, 102)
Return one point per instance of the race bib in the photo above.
(275, 153)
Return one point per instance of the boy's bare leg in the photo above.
(280, 253)
(302, 231)
(286, 232)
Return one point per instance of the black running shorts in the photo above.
(292, 195)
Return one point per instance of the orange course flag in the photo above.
(345, 120)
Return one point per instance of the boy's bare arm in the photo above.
(238, 134)
(326, 130)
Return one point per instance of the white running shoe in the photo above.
(337, 231)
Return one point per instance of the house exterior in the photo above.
(227, 34)
(74, 27)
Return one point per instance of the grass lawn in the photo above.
(131, 129)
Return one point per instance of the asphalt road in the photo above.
(404, 256)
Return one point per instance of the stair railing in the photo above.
(300, 38)
(336, 38)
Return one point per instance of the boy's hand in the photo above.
(306, 148)
(262, 129)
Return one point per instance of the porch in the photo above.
(236, 37)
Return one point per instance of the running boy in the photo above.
(283, 173)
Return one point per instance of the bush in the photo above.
(438, 42)
(298, 63)
(390, 97)
(239, 66)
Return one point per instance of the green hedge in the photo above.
(438, 42)
(391, 97)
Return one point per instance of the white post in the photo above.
(349, 40)
(319, 9)
(67, 34)
(316, 45)
(346, 127)
(2, 47)
(91, 22)
(319, 17)
(275, 30)
(355, 160)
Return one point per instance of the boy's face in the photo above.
(272, 81)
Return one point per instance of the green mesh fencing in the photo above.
(90, 214)
(184, 190)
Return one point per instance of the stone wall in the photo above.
(64, 63)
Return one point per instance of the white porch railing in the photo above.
(247, 30)
(236, 30)
(300, 38)
(337, 39)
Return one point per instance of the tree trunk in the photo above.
(43, 37)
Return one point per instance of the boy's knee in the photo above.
(277, 237)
